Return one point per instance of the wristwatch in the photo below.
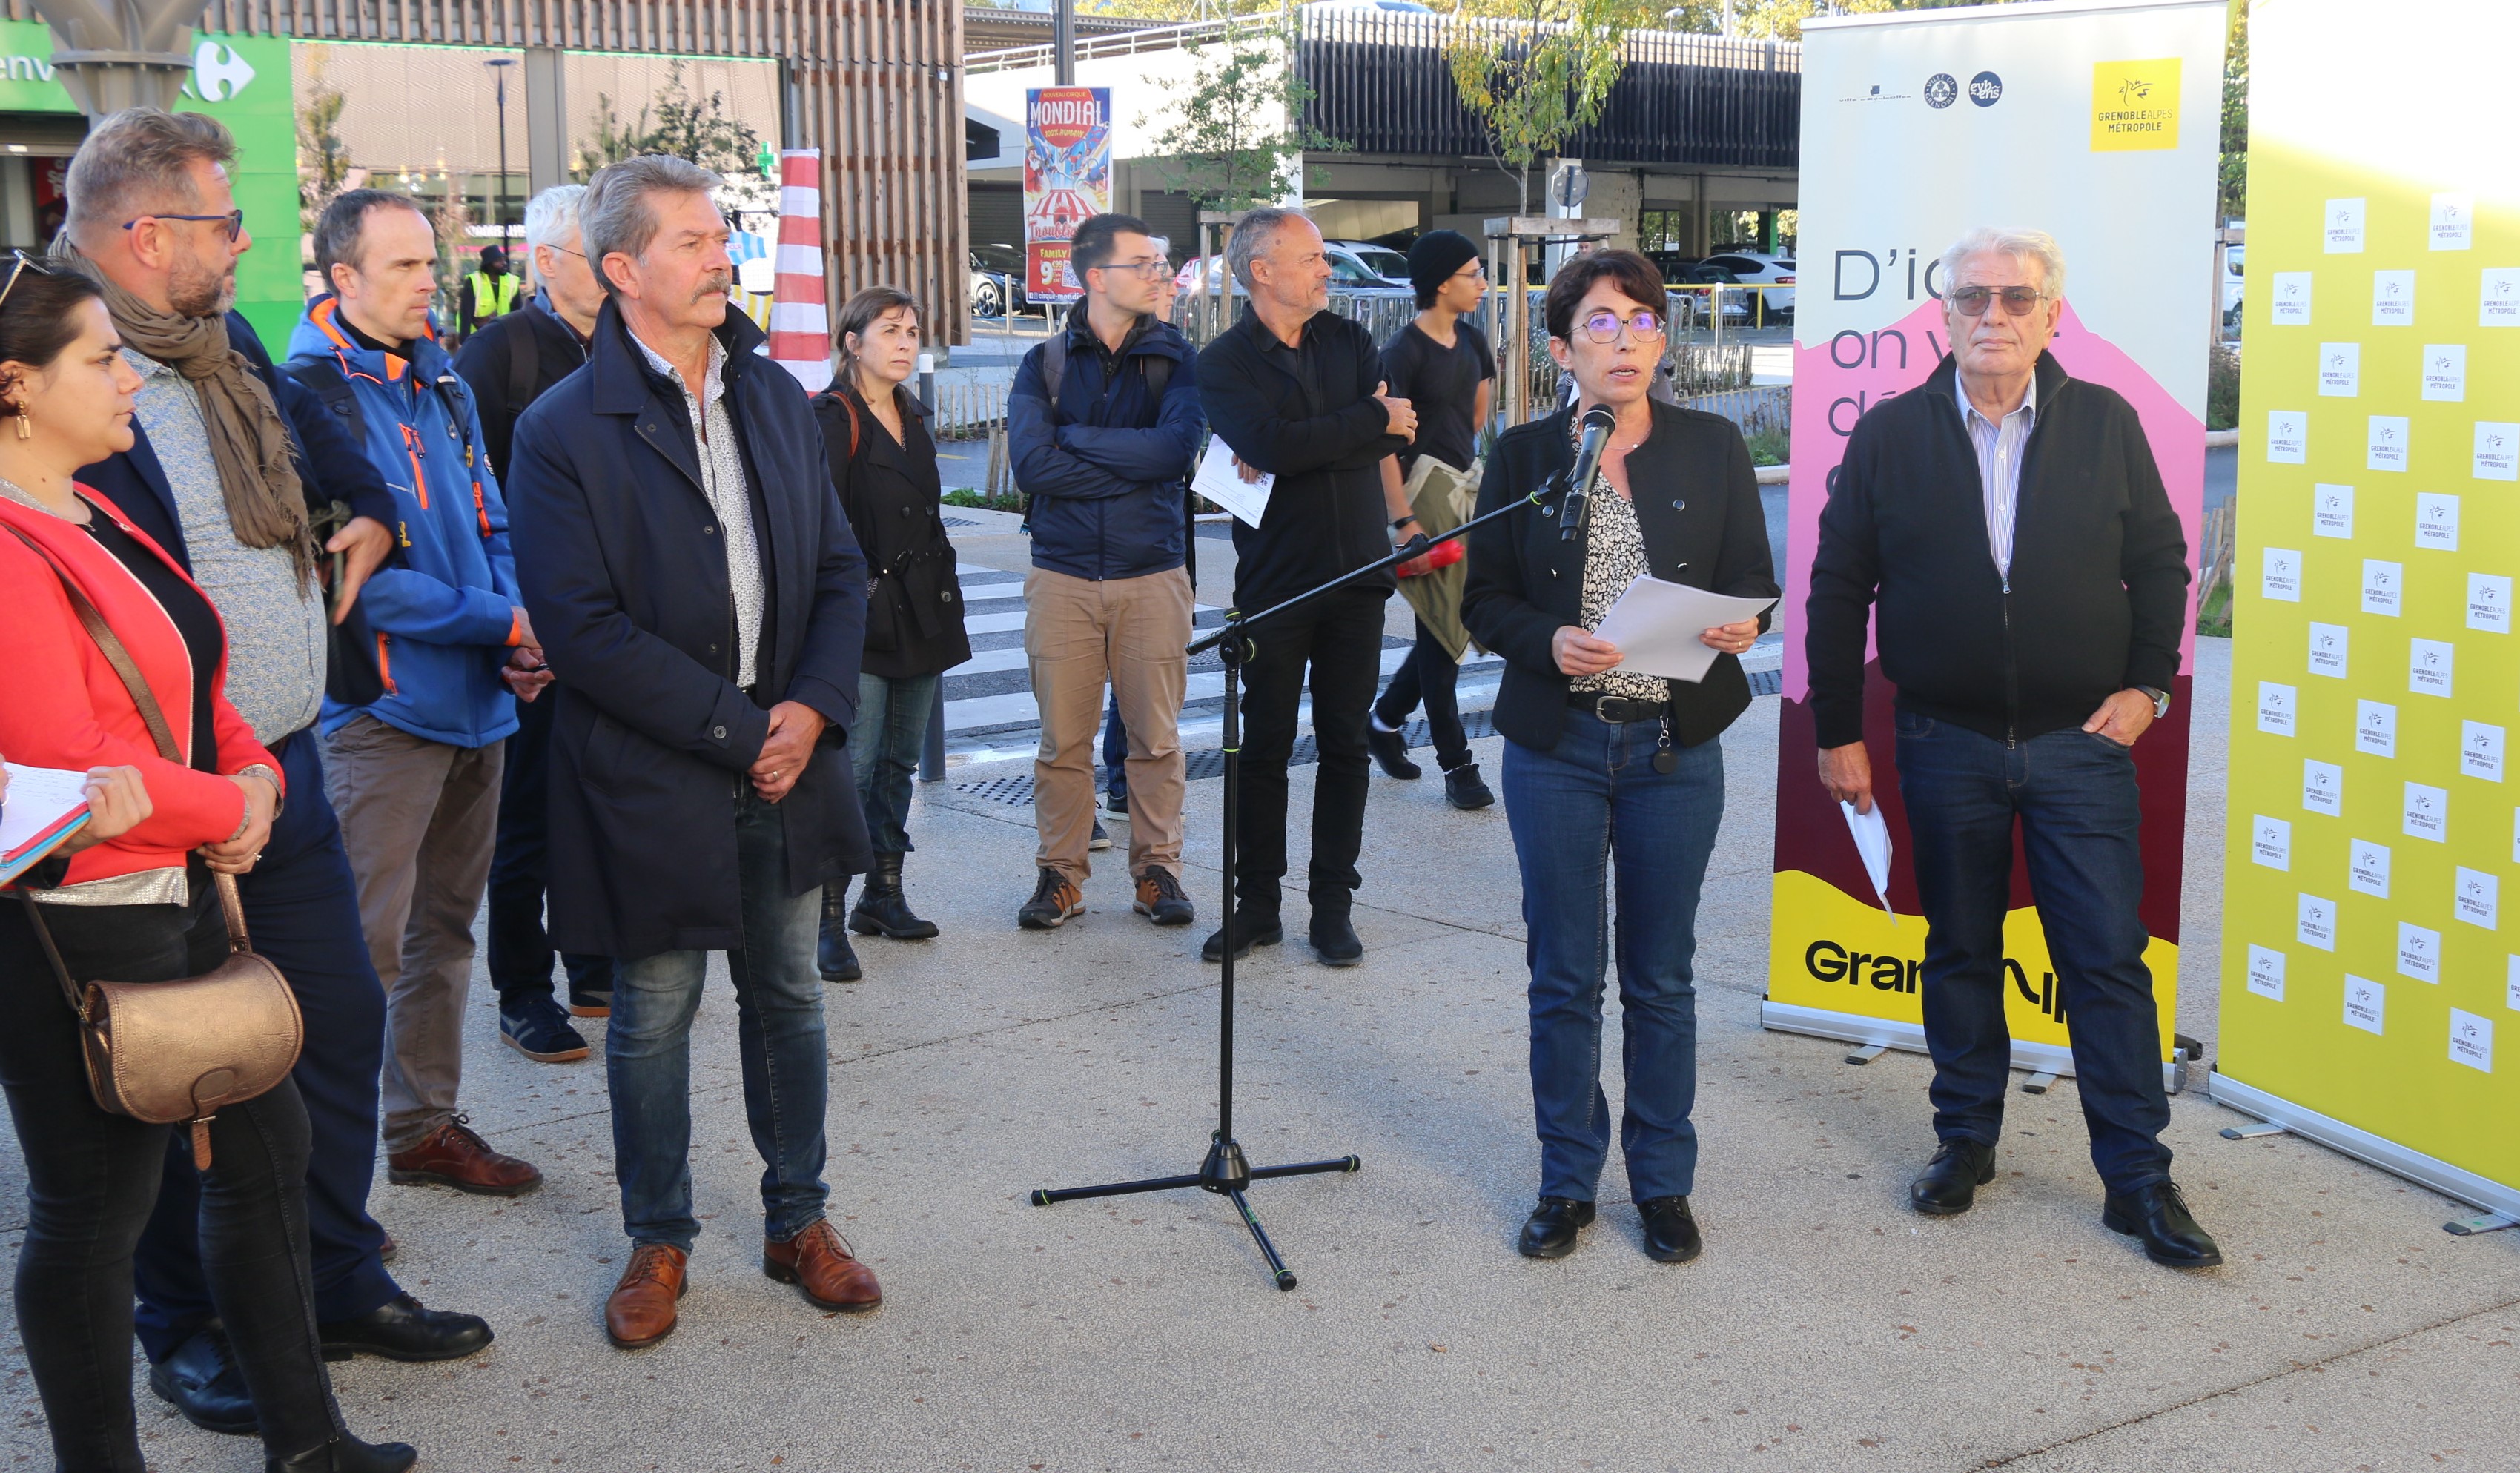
(2160, 701)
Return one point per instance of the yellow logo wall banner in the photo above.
(2135, 105)
(2370, 964)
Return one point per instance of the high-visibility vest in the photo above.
(484, 294)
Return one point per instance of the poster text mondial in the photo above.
(2370, 947)
(2097, 124)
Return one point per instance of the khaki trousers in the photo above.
(417, 818)
(1130, 632)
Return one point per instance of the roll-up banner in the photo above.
(2370, 990)
(2097, 121)
(1067, 181)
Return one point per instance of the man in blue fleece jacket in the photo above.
(415, 772)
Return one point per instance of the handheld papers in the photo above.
(1221, 483)
(1872, 841)
(1656, 626)
(45, 805)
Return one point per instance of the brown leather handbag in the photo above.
(168, 1051)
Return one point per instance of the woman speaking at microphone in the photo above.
(1603, 764)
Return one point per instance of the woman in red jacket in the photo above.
(134, 904)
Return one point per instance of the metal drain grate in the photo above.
(1199, 766)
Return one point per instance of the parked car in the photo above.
(1390, 266)
(1349, 271)
(1684, 271)
(1758, 268)
(997, 280)
(2232, 256)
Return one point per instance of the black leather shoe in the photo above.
(1250, 929)
(834, 957)
(883, 911)
(2157, 1214)
(1950, 1181)
(1333, 938)
(1671, 1233)
(348, 1454)
(201, 1380)
(1550, 1232)
(402, 1328)
(1390, 752)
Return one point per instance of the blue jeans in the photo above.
(779, 1027)
(520, 952)
(1595, 797)
(890, 732)
(2074, 794)
(1115, 747)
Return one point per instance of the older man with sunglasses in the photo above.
(2009, 528)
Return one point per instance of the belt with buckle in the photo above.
(1618, 709)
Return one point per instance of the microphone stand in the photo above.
(1225, 1171)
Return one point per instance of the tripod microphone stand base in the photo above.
(1226, 1173)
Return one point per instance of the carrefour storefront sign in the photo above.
(244, 82)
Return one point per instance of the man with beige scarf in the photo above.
(219, 475)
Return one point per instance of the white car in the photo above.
(1757, 268)
(1390, 266)
(1349, 271)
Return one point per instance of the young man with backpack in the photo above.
(509, 363)
(1103, 426)
(414, 768)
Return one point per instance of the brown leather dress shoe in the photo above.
(818, 1261)
(643, 1307)
(454, 1156)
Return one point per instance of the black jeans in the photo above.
(520, 952)
(1340, 638)
(1429, 674)
(92, 1179)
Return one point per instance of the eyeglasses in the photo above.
(25, 263)
(2018, 301)
(231, 224)
(1603, 326)
(1144, 271)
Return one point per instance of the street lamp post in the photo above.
(499, 70)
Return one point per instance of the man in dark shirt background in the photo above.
(1297, 390)
(509, 363)
(1440, 362)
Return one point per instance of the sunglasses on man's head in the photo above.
(231, 224)
(2018, 301)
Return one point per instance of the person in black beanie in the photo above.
(1441, 364)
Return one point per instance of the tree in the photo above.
(1237, 135)
(1537, 78)
(2232, 198)
(324, 164)
(677, 123)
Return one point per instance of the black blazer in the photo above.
(890, 493)
(1698, 504)
(624, 570)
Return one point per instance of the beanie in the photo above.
(1437, 254)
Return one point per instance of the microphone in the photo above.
(1598, 422)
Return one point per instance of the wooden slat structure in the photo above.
(875, 84)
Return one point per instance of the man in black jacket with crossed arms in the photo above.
(2010, 526)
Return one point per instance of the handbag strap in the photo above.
(108, 642)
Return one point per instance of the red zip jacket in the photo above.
(62, 706)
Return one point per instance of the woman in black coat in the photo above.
(1602, 763)
(884, 465)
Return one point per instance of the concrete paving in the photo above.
(1827, 1328)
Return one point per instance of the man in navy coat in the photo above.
(703, 602)
(152, 215)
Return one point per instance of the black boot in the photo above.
(1332, 935)
(834, 957)
(346, 1453)
(1390, 751)
(881, 911)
